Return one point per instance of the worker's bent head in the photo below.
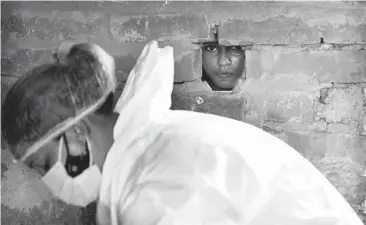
(55, 120)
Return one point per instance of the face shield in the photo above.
(51, 98)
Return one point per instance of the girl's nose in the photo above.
(224, 58)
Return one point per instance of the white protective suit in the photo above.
(185, 168)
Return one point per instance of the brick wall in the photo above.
(309, 94)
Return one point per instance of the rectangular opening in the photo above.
(222, 65)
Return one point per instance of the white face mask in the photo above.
(80, 190)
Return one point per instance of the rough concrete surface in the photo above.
(227, 105)
(305, 78)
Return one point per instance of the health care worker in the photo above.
(148, 165)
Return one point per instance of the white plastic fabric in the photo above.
(186, 168)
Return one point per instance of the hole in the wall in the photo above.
(222, 66)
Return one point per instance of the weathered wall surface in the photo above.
(310, 95)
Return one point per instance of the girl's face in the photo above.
(223, 65)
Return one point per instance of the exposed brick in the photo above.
(6, 83)
(56, 25)
(254, 117)
(44, 6)
(178, 26)
(345, 105)
(7, 66)
(17, 62)
(145, 7)
(344, 165)
(350, 146)
(280, 30)
(334, 21)
(187, 66)
(142, 28)
(295, 124)
(273, 126)
(188, 60)
(324, 66)
(226, 105)
(345, 33)
(12, 24)
(289, 105)
(194, 86)
(311, 145)
(338, 128)
(124, 65)
(259, 13)
(281, 97)
(339, 157)
(127, 29)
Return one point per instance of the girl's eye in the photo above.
(211, 48)
(237, 50)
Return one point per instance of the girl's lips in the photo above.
(225, 74)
